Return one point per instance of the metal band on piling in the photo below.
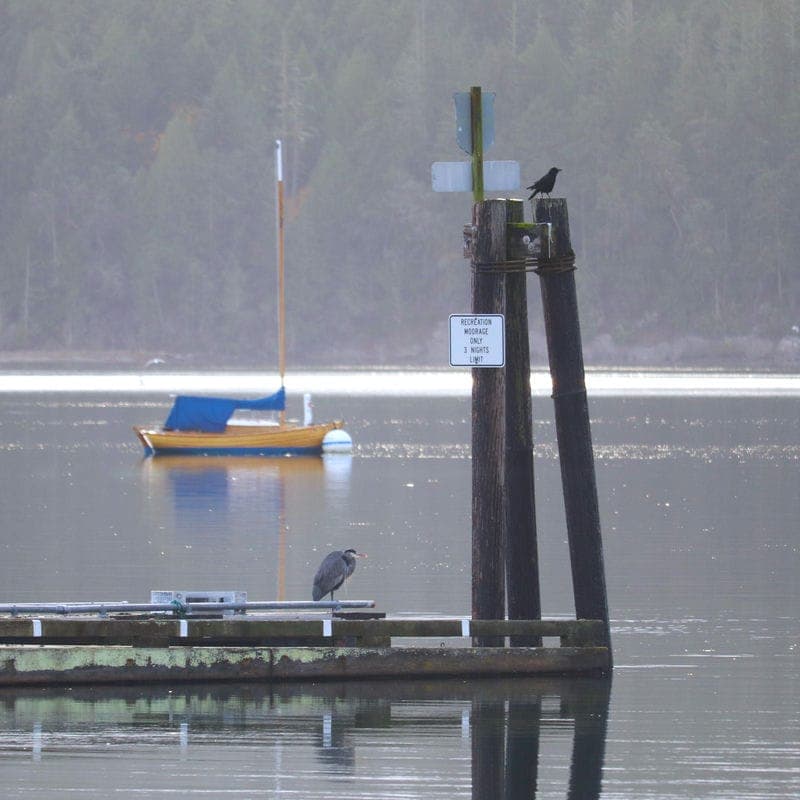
(516, 265)
(541, 266)
(548, 266)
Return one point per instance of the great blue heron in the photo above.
(545, 184)
(334, 570)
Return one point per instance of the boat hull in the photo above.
(268, 440)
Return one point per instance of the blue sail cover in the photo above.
(211, 414)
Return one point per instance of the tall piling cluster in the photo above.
(505, 571)
(502, 249)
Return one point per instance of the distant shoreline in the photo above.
(689, 352)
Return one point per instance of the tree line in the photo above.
(137, 209)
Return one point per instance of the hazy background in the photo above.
(137, 209)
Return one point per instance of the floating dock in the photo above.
(126, 648)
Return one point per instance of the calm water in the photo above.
(699, 482)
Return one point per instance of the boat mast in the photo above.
(279, 238)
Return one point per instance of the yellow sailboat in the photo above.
(246, 440)
(202, 424)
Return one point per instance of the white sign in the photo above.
(456, 176)
(477, 340)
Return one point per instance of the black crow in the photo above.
(545, 184)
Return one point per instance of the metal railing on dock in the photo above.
(16, 609)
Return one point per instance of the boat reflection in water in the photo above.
(230, 496)
(410, 738)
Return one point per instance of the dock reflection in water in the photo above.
(523, 737)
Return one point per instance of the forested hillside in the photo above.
(137, 209)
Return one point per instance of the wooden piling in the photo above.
(562, 327)
(488, 420)
(522, 560)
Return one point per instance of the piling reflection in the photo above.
(346, 729)
(506, 737)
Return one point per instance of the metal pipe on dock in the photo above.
(185, 608)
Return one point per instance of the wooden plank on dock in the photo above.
(91, 630)
(254, 631)
(407, 662)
